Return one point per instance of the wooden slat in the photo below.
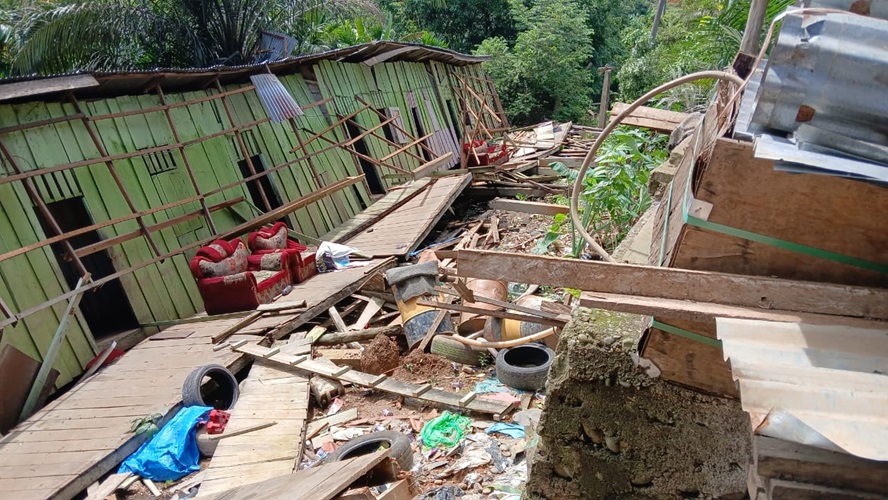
(287, 395)
(528, 207)
(401, 231)
(661, 120)
(677, 284)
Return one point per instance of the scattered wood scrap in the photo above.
(317, 483)
(380, 382)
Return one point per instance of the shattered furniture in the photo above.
(229, 282)
(272, 240)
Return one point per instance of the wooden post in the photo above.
(52, 352)
(243, 147)
(661, 8)
(178, 139)
(314, 171)
(496, 101)
(44, 210)
(113, 170)
(605, 95)
(754, 22)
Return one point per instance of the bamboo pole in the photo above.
(53, 351)
(113, 170)
(178, 139)
(481, 100)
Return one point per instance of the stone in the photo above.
(608, 341)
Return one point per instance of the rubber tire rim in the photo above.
(191, 395)
(399, 448)
(530, 378)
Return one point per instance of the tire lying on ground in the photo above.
(397, 443)
(443, 345)
(524, 367)
(226, 391)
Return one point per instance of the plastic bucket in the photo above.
(417, 326)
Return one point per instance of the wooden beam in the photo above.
(706, 311)
(46, 86)
(660, 120)
(110, 242)
(678, 284)
(494, 313)
(528, 207)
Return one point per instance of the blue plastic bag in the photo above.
(172, 453)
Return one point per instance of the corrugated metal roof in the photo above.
(798, 379)
(180, 79)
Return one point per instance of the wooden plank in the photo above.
(382, 207)
(287, 395)
(400, 232)
(342, 417)
(46, 86)
(494, 313)
(330, 370)
(370, 310)
(705, 311)
(528, 207)
(779, 459)
(678, 284)
(323, 291)
(429, 168)
(317, 483)
(661, 120)
(397, 491)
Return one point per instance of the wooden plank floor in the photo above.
(269, 394)
(380, 207)
(401, 231)
(74, 440)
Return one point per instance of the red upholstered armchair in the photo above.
(229, 283)
(271, 240)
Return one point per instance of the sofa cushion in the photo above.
(236, 262)
(269, 238)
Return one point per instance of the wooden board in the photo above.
(317, 483)
(748, 194)
(401, 231)
(528, 207)
(677, 284)
(661, 120)
(380, 208)
(272, 393)
(108, 403)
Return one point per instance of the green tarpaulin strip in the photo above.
(681, 332)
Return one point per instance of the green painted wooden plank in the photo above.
(138, 133)
(115, 136)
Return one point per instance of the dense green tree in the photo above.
(463, 24)
(108, 34)
(545, 74)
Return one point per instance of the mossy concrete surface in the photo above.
(608, 430)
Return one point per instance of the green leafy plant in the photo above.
(615, 191)
(485, 359)
(146, 425)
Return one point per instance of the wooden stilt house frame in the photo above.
(137, 170)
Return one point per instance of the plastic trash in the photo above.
(333, 256)
(512, 430)
(490, 385)
(446, 430)
(172, 453)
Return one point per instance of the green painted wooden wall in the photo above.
(166, 290)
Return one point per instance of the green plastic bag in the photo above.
(447, 430)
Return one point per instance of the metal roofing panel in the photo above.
(132, 81)
(827, 379)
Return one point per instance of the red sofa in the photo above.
(271, 240)
(230, 279)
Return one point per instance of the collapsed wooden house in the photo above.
(122, 176)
